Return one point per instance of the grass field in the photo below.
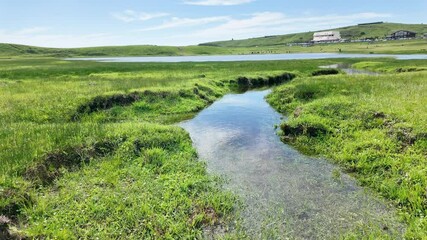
(374, 127)
(89, 150)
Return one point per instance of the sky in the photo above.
(83, 23)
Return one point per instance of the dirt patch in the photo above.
(206, 216)
(410, 69)
(290, 132)
(329, 71)
(4, 227)
(298, 111)
(245, 82)
(107, 102)
(5, 232)
(203, 93)
(49, 168)
(405, 135)
(12, 201)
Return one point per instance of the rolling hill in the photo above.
(374, 30)
(9, 50)
(267, 44)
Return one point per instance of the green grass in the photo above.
(9, 50)
(80, 160)
(88, 149)
(152, 186)
(374, 127)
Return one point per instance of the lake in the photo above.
(254, 57)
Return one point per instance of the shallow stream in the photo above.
(285, 193)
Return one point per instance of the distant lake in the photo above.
(253, 57)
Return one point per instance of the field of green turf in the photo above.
(89, 150)
(374, 127)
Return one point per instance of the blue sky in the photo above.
(78, 23)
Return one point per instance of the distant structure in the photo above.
(402, 34)
(329, 36)
(425, 36)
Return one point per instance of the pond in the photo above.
(252, 57)
(285, 193)
(349, 70)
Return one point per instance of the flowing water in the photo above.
(285, 193)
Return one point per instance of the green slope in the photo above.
(268, 44)
(350, 32)
(139, 50)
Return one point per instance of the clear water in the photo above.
(351, 71)
(254, 57)
(285, 193)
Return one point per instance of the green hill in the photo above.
(267, 44)
(361, 31)
(10, 50)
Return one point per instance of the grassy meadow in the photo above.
(90, 150)
(374, 127)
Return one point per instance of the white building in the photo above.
(329, 36)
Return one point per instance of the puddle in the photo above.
(285, 193)
(350, 71)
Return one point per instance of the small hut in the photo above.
(403, 34)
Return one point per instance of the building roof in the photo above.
(318, 34)
(403, 31)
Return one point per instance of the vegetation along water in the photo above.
(92, 149)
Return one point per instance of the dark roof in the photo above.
(403, 31)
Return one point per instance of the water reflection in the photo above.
(351, 71)
(285, 193)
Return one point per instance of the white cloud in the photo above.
(254, 25)
(187, 22)
(272, 23)
(217, 2)
(132, 16)
(32, 30)
(186, 31)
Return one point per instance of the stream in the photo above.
(285, 193)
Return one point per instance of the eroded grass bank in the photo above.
(375, 127)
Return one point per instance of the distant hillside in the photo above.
(10, 50)
(268, 44)
(351, 32)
